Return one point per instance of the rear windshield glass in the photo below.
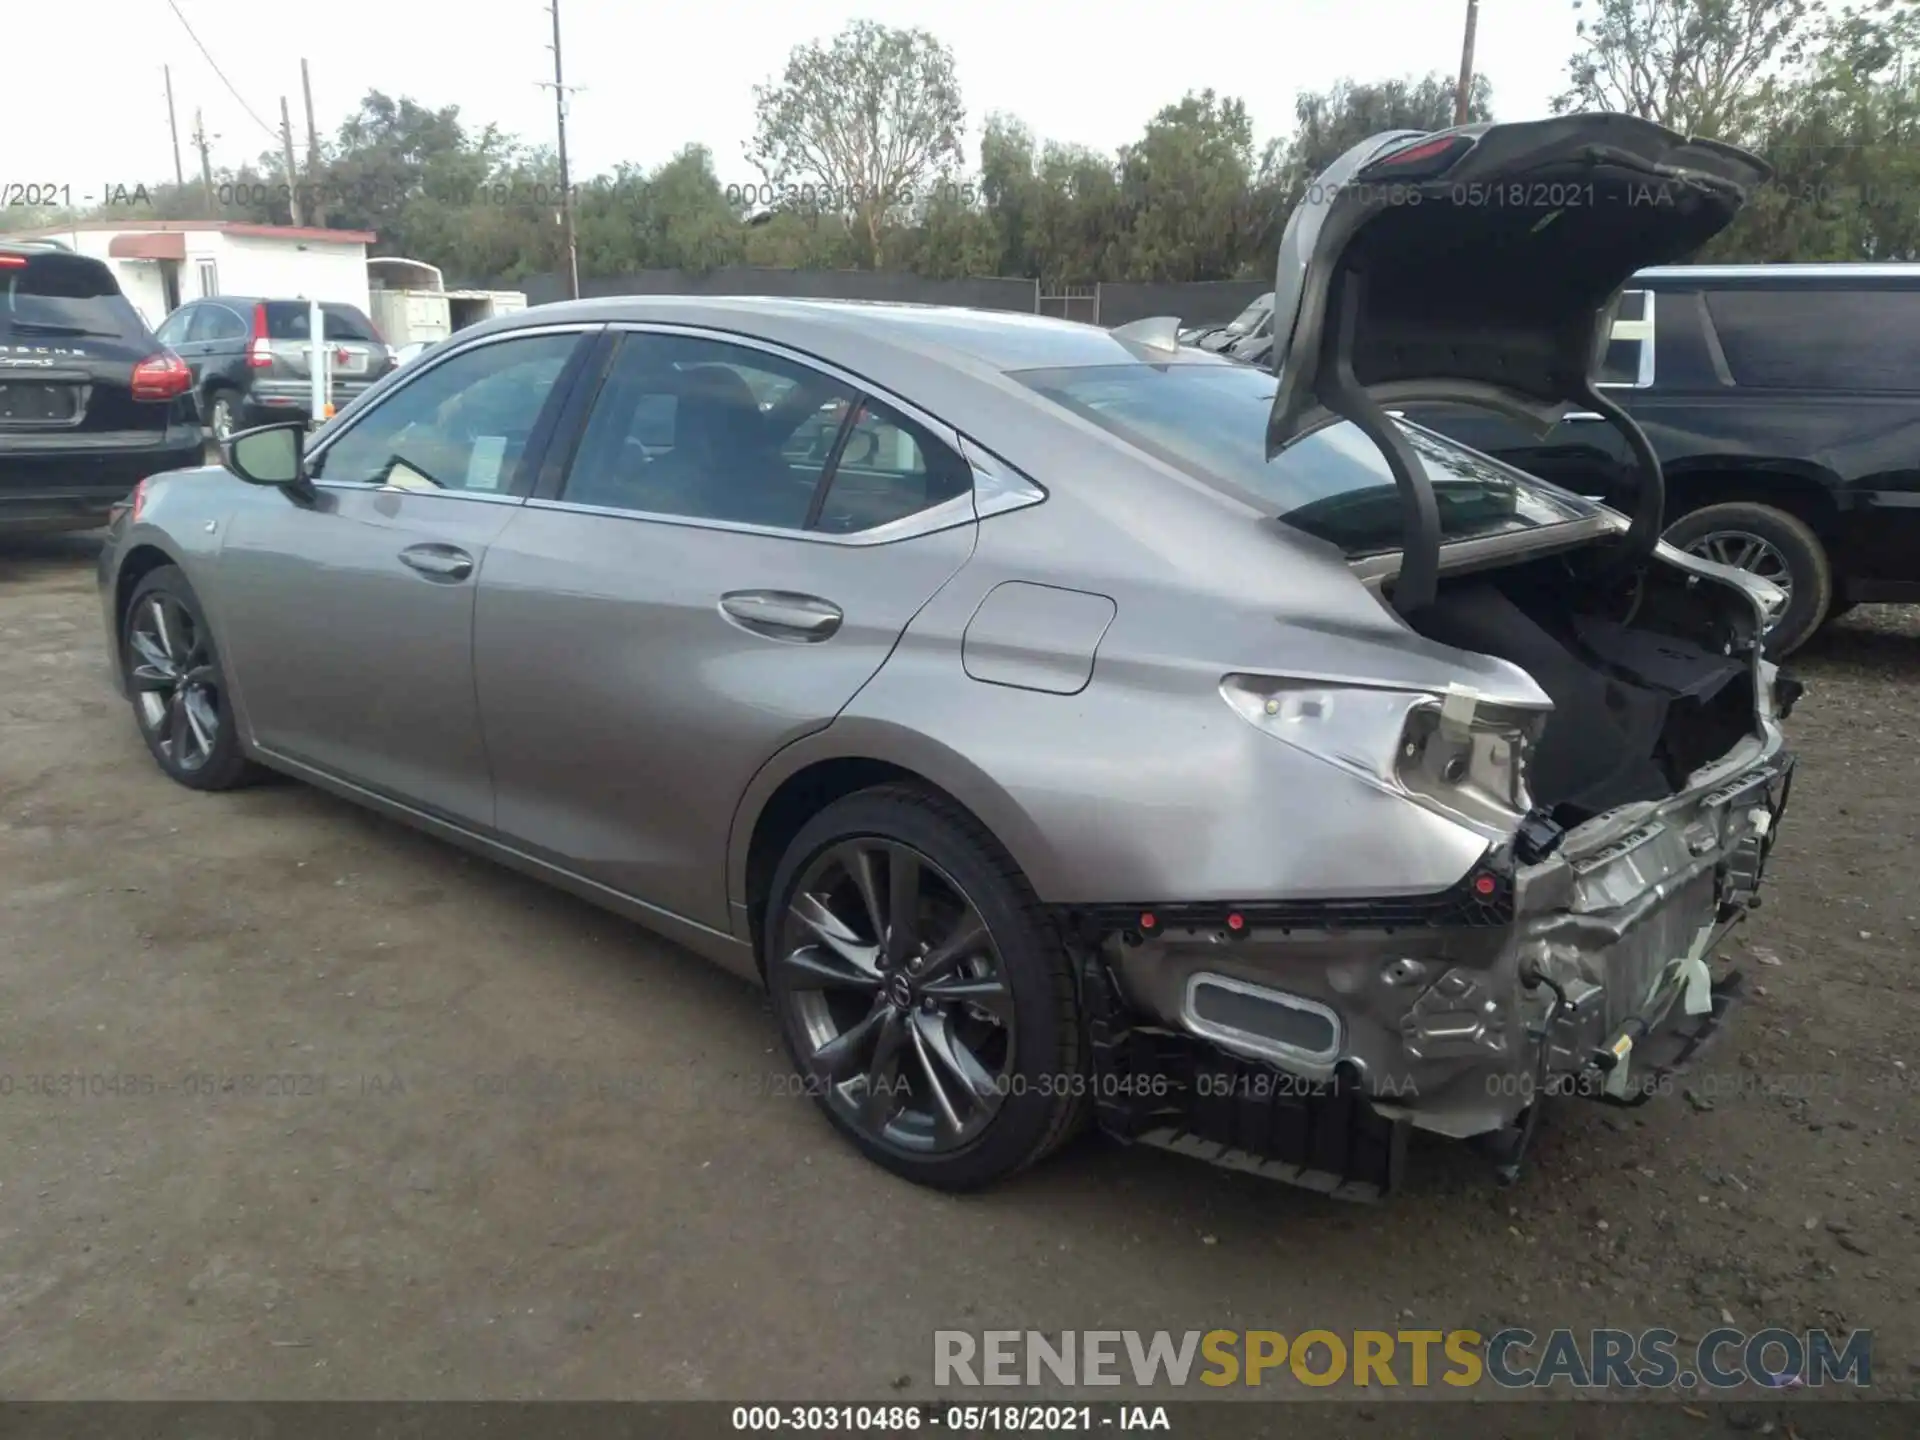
(1211, 421)
(1819, 339)
(1253, 317)
(288, 320)
(55, 295)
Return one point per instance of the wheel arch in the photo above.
(853, 755)
(140, 561)
(1802, 490)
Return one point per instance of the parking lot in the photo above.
(297, 1103)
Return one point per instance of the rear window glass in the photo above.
(1211, 422)
(1254, 317)
(55, 295)
(1819, 339)
(289, 320)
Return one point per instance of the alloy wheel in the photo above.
(1744, 550)
(222, 420)
(898, 995)
(174, 681)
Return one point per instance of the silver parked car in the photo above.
(1059, 722)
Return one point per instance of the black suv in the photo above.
(91, 403)
(1784, 403)
(251, 359)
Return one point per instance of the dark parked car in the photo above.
(251, 358)
(1784, 404)
(90, 402)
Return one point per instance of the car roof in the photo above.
(225, 299)
(1837, 272)
(1001, 339)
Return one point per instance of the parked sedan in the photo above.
(1086, 726)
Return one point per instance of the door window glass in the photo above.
(462, 425)
(173, 331)
(714, 431)
(708, 430)
(890, 468)
(1817, 339)
(216, 322)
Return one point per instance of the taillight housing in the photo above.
(1422, 160)
(259, 352)
(161, 377)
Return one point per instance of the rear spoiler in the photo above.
(1482, 265)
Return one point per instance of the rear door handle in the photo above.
(781, 614)
(441, 562)
(1583, 415)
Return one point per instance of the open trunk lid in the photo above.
(1481, 265)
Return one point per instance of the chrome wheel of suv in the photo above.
(1745, 551)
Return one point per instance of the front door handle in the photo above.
(782, 615)
(441, 562)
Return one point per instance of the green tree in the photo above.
(1702, 67)
(1185, 185)
(873, 117)
(1841, 138)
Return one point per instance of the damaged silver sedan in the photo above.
(1063, 725)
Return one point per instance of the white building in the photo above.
(161, 264)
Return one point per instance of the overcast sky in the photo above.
(86, 104)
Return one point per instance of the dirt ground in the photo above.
(522, 1149)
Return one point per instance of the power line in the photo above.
(171, 5)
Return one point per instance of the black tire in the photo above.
(168, 657)
(1042, 1096)
(223, 414)
(1809, 571)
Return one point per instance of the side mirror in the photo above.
(271, 455)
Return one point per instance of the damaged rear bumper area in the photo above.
(1304, 1041)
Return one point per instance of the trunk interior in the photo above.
(1650, 679)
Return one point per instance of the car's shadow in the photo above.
(20, 554)
(1873, 637)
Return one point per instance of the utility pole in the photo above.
(293, 175)
(1463, 97)
(319, 216)
(173, 128)
(560, 90)
(206, 163)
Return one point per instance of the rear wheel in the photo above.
(1775, 546)
(178, 689)
(927, 1003)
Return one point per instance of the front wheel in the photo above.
(179, 691)
(1775, 546)
(927, 1003)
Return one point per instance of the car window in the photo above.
(708, 430)
(291, 320)
(216, 322)
(1808, 339)
(173, 330)
(1210, 420)
(1628, 359)
(55, 295)
(890, 468)
(461, 425)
